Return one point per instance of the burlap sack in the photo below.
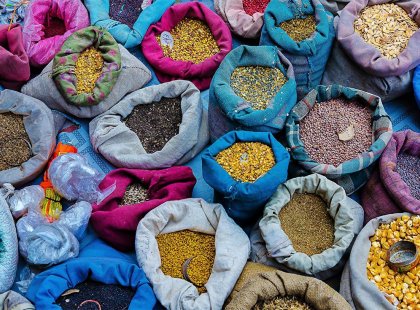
(11, 300)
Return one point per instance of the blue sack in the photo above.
(228, 111)
(416, 85)
(308, 57)
(244, 201)
(123, 34)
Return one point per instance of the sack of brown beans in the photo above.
(343, 149)
(27, 137)
(89, 75)
(253, 89)
(192, 253)
(188, 43)
(156, 127)
(395, 186)
(308, 226)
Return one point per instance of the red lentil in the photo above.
(254, 6)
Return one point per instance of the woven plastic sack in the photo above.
(11, 300)
(270, 244)
(14, 62)
(123, 33)
(228, 112)
(167, 69)
(334, 6)
(232, 250)
(386, 192)
(12, 11)
(116, 223)
(39, 125)
(416, 85)
(351, 174)
(244, 201)
(123, 148)
(42, 50)
(309, 56)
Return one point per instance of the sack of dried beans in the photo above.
(86, 77)
(245, 168)
(12, 300)
(395, 187)
(13, 11)
(253, 89)
(127, 22)
(416, 85)
(192, 253)
(308, 226)
(14, 62)
(334, 6)
(48, 23)
(304, 33)
(27, 137)
(156, 127)
(345, 149)
(188, 43)
(368, 280)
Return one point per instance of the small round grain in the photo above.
(299, 29)
(135, 193)
(254, 6)
(283, 303)
(408, 167)
(89, 66)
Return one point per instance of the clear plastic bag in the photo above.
(76, 218)
(22, 200)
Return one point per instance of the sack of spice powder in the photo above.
(395, 186)
(188, 43)
(253, 89)
(344, 150)
(192, 253)
(416, 85)
(245, 168)
(304, 33)
(308, 226)
(89, 75)
(115, 218)
(27, 137)
(12, 300)
(48, 23)
(127, 23)
(156, 127)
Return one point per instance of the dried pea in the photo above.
(283, 303)
(89, 66)
(134, 193)
(299, 29)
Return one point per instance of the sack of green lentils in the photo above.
(27, 137)
(338, 132)
(89, 75)
(192, 253)
(156, 127)
(253, 89)
(308, 226)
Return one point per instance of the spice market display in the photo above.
(210, 154)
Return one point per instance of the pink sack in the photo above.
(48, 23)
(167, 69)
(385, 192)
(117, 224)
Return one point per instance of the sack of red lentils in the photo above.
(416, 85)
(245, 168)
(48, 23)
(395, 186)
(367, 281)
(14, 301)
(27, 137)
(86, 77)
(188, 43)
(304, 32)
(338, 132)
(253, 89)
(192, 253)
(156, 127)
(308, 227)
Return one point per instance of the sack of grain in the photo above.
(13, 300)
(416, 85)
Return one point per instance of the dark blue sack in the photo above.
(416, 85)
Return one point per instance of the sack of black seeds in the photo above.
(192, 253)
(89, 75)
(304, 32)
(253, 89)
(345, 149)
(156, 127)
(308, 226)
(27, 137)
(14, 301)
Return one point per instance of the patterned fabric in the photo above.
(6, 11)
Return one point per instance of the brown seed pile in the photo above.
(387, 27)
(257, 85)
(15, 147)
(408, 167)
(320, 131)
(89, 66)
(246, 161)
(299, 29)
(307, 223)
(134, 193)
(156, 123)
(283, 303)
(193, 41)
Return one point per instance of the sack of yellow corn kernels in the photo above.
(367, 281)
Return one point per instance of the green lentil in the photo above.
(89, 66)
(299, 29)
(283, 303)
(135, 193)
